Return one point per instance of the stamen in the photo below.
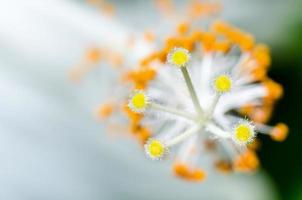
(279, 132)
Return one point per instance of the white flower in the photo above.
(84, 160)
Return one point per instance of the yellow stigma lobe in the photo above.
(155, 149)
(243, 133)
(179, 57)
(138, 102)
(223, 83)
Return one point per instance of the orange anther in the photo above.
(259, 74)
(246, 109)
(274, 90)
(245, 41)
(262, 114)
(198, 9)
(223, 166)
(141, 77)
(134, 118)
(221, 27)
(197, 36)
(246, 162)
(93, 55)
(255, 145)
(223, 46)
(208, 41)
(105, 110)
(107, 8)
(279, 132)
(115, 59)
(183, 171)
(149, 36)
(183, 28)
(166, 7)
(149, 59)
(261, 54)
(143, 134)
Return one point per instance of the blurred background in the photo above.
(51, 145)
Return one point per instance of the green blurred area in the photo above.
(283, 161)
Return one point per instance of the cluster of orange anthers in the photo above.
(220, 39)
